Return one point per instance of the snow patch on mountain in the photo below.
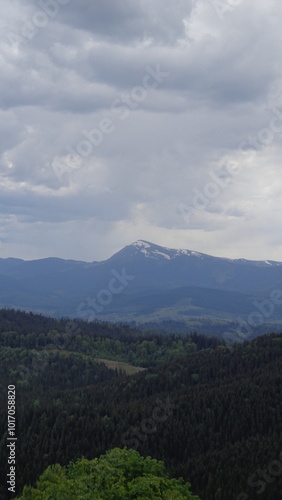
(155, 251)
(141, 244)
(162, 254)
(145, 252)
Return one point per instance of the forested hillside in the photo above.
(211, 412)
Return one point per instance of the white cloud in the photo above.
(224, 77)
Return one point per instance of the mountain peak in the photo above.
(147, 249)
(142, 244)
(153, 251)
(150, 250)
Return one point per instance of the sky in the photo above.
(123, 120)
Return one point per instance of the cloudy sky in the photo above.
(140, 119)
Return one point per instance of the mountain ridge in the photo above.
(142, 281)
(143, 246)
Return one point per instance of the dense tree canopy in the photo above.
(120, 474)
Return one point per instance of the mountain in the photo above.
(147, 282)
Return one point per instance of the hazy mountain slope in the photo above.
(139, 280)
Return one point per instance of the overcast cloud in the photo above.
(123, 120)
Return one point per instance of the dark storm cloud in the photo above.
(125, 21)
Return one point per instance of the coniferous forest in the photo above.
(210, 412)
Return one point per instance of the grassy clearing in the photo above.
(125, 367)
(128, 369)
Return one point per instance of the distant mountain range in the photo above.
(145, 282)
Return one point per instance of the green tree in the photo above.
(120, 474)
